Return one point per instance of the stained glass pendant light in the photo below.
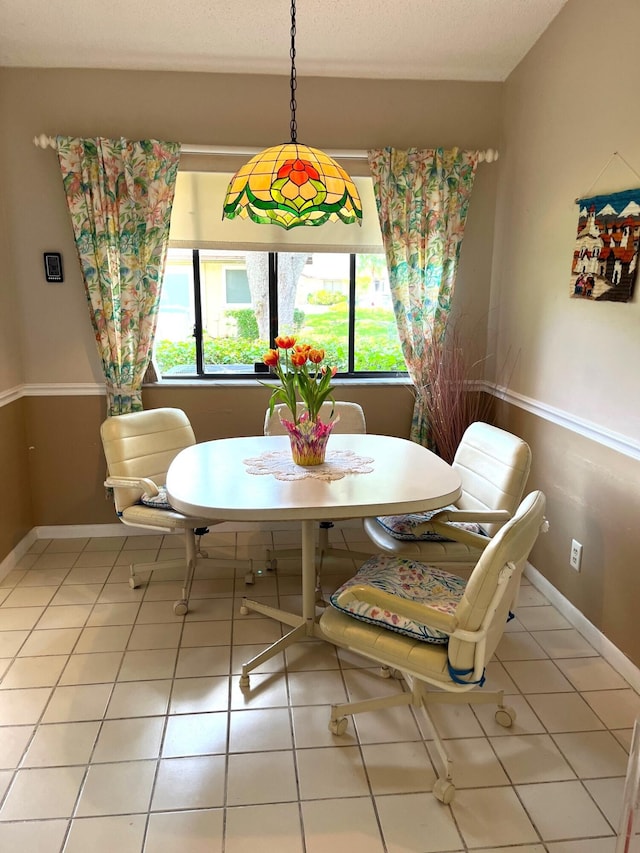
(292, 184)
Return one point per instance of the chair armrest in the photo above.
(489, 516)
(459, 534)
(422, 613)
(143, 483)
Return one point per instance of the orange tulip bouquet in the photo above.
(302, 375)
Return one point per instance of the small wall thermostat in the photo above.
(53, 266)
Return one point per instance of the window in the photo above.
(221, 308)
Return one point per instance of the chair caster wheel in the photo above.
(244, 682)
(250, 578)
(444, 790)
(389, 672)
(339, 726)
(505, 717)
(133, 583)
(244, 611)
(180, 608)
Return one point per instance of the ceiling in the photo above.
(480, 40)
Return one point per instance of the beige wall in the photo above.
(569, 105)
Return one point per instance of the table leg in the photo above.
(303, 626)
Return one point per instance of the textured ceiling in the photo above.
(392, 39)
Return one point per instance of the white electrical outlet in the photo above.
(576, 555)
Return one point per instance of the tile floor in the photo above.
(122, 726)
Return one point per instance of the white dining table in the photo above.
(219, 480)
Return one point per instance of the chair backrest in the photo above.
(494, 466)
(352, 418)
(512, 544)
(143, 444)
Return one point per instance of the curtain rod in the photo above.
(44, 141)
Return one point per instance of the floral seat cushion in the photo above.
(407, 579)
(159, 501)
(404, 526)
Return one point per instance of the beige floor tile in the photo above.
(11, 642)
(593, 754)
(564, 644)
(545, 618)
(199, 695)
(43, 577)
(87, 575)
(95, 560)
(519, 645)
(22, 706)
(129, 740)
(139, 699)
(260, 730)
(35, 836)
(451, 721)
(155, 637)
(272, 827)
(585, 673)
(34, 672)
(206, 633)
(254, 630)
(204, 588)
(317, 688)
(195, 734)
(564, 712)
(95, 668)
(417, 822)
(42, 793)
(251, 778)
(113, 614)
(311, 656)
(107, 638)
(489, 817)
(529, 596)
(342, 826)
(19, 618)
(202, 661)
(13, 742)
(398, 768)
(77, 594)
(34, 596)
(609, 795)
(196, 782)
(106, 834)
(65, 616)
(114, 593)
(537, 676)
(329, 772)
(390, 725)
(617, 709)
(156, 612)
(52, 641)
(67, 546)
(497, 678)
(115, 789)
(475, 764)
(585, 845)
(75, 703)
(210, 609)
(151, 664)
(61, 744)
(563, 810)
(531, 758)
(110, 543)
(266, 691)
(193, 831)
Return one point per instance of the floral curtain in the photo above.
(422, 198)
(119, 194)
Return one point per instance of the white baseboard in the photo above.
(13, 557)
(612, 654)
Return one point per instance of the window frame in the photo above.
(260, 369)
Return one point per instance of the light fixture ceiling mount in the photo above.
(292, 184)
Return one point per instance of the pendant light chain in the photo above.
(293, 80)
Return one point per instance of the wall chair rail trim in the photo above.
(614, 440)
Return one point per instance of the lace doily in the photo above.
(337, 464)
